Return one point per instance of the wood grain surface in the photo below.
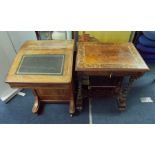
(49, 88)
(43, 47)
(109, 57)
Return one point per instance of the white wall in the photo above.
(69, 35)
(7, 53)
(62, 35)
(10, 42)
(19, 37)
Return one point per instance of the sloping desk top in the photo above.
(42, 62)
(109, 57)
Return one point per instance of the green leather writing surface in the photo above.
(41, 64)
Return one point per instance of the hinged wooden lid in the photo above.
(42, 62)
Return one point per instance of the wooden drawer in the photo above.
(107, 73)
(54, 98)
(53, 92)
(104, 81)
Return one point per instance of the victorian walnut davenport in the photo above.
(105, 66)
(46, 68)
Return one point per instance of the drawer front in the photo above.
(106, 73)
(54, 98)
(105, 81)
(53, 92)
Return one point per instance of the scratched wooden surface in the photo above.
(109, 57)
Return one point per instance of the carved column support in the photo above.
(79, 99)
(123, 91)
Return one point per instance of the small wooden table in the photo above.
(110, 64)
(46, 68)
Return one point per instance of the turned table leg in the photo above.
(121, 104)
(71, 107)
(123, 92)
(72, 104)
(35, 107)
(79, 105)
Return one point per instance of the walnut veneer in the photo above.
(108, 61)
(46, 86)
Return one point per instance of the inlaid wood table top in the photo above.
(109, 57)
(42, 62)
